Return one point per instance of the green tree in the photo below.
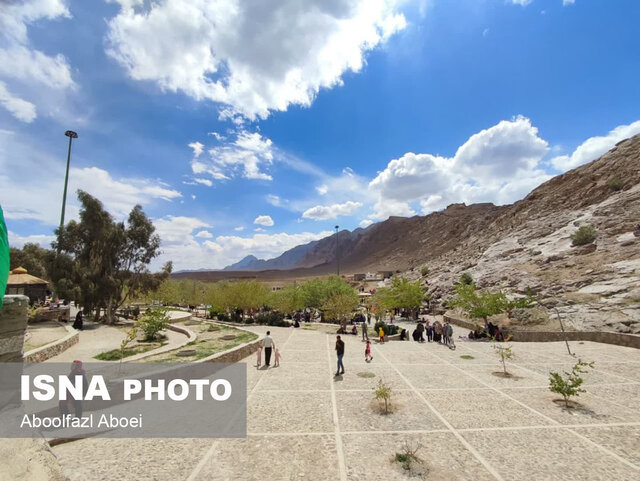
(33, 258)
(103, 263)
(340, 305)
(382, 392)
(504, 351)
(242, 295)
(570, 384)
(401, 294)
(151, 323)
(478, 304)
(288, 300)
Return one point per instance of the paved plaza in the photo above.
(305, 424)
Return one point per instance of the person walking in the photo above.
(429, 329)
(365, 333)
(268, 345)
(340, 353)
(277, 358)
(381, 334)
(367, 352)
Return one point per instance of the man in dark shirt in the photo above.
(340, 353)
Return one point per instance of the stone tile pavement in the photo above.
(305, 424)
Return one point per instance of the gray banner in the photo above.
(128, 400)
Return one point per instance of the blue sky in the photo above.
(241, 129)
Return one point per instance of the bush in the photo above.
(249, 320)
(223, 317)
(388, 329)
(151, 323)
(382, 392)
(424, 270)
(272, 319)
(569, 384)
(586, 234)
(466, 279)
(615, 184)
(213, 314)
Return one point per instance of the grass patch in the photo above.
(466, 356)
(116, 354)
(207, 344)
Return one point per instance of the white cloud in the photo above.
(197, 148)
(568, 2)
(246, 156)
(181, 246)
(521, 2)
(19, 241)
(594, 147)
(274, 200)
(204, 234)
(240, 228)
(19, 108)
(264, 220)
(24, 67)
(206, 182)
(258, 229)
(252, 57)
(322, 189)
(366, 223)
(324, 212)
(34, 188)
(174, 229)
(499, 164)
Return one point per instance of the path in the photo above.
(306, 424)
(96, 338)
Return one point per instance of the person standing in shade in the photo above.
(340, 353)
(268, 345)
(365, 334)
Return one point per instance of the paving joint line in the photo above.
(342, 468)
(585, 439)
(207, 456)
(449, 426)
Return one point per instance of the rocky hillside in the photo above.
(528, 246)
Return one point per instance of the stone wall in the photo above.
(43, 353)
(237, 353)
(619, 339)
(13, 326)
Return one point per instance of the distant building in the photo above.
(359, 277)
(385, 274)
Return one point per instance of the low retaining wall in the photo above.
(616, 338)
(47, 351)
(237, 353)
(56, 314)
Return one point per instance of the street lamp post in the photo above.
(337, 252)
(72, 135)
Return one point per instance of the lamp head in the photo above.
(71, 133)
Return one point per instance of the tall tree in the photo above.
(401, 294)
(103, 263)
(33, 258)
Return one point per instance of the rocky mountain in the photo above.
(527, 247)
(523, 247)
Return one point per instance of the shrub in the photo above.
(424, 270)
(466, 279)
(249, 320)
(152, 323)
(388, 329)
(615, 184)
(223, 317)
(271, 319)
(213, 314)
(408, 456)
(569, 384)
(586, 234)
(382, 392)
(504, 352)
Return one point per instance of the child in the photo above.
(367, 352)
(259, 356)
(381, 333)
(277, 363)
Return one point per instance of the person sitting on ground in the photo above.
(354, 330)
(403, 335)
